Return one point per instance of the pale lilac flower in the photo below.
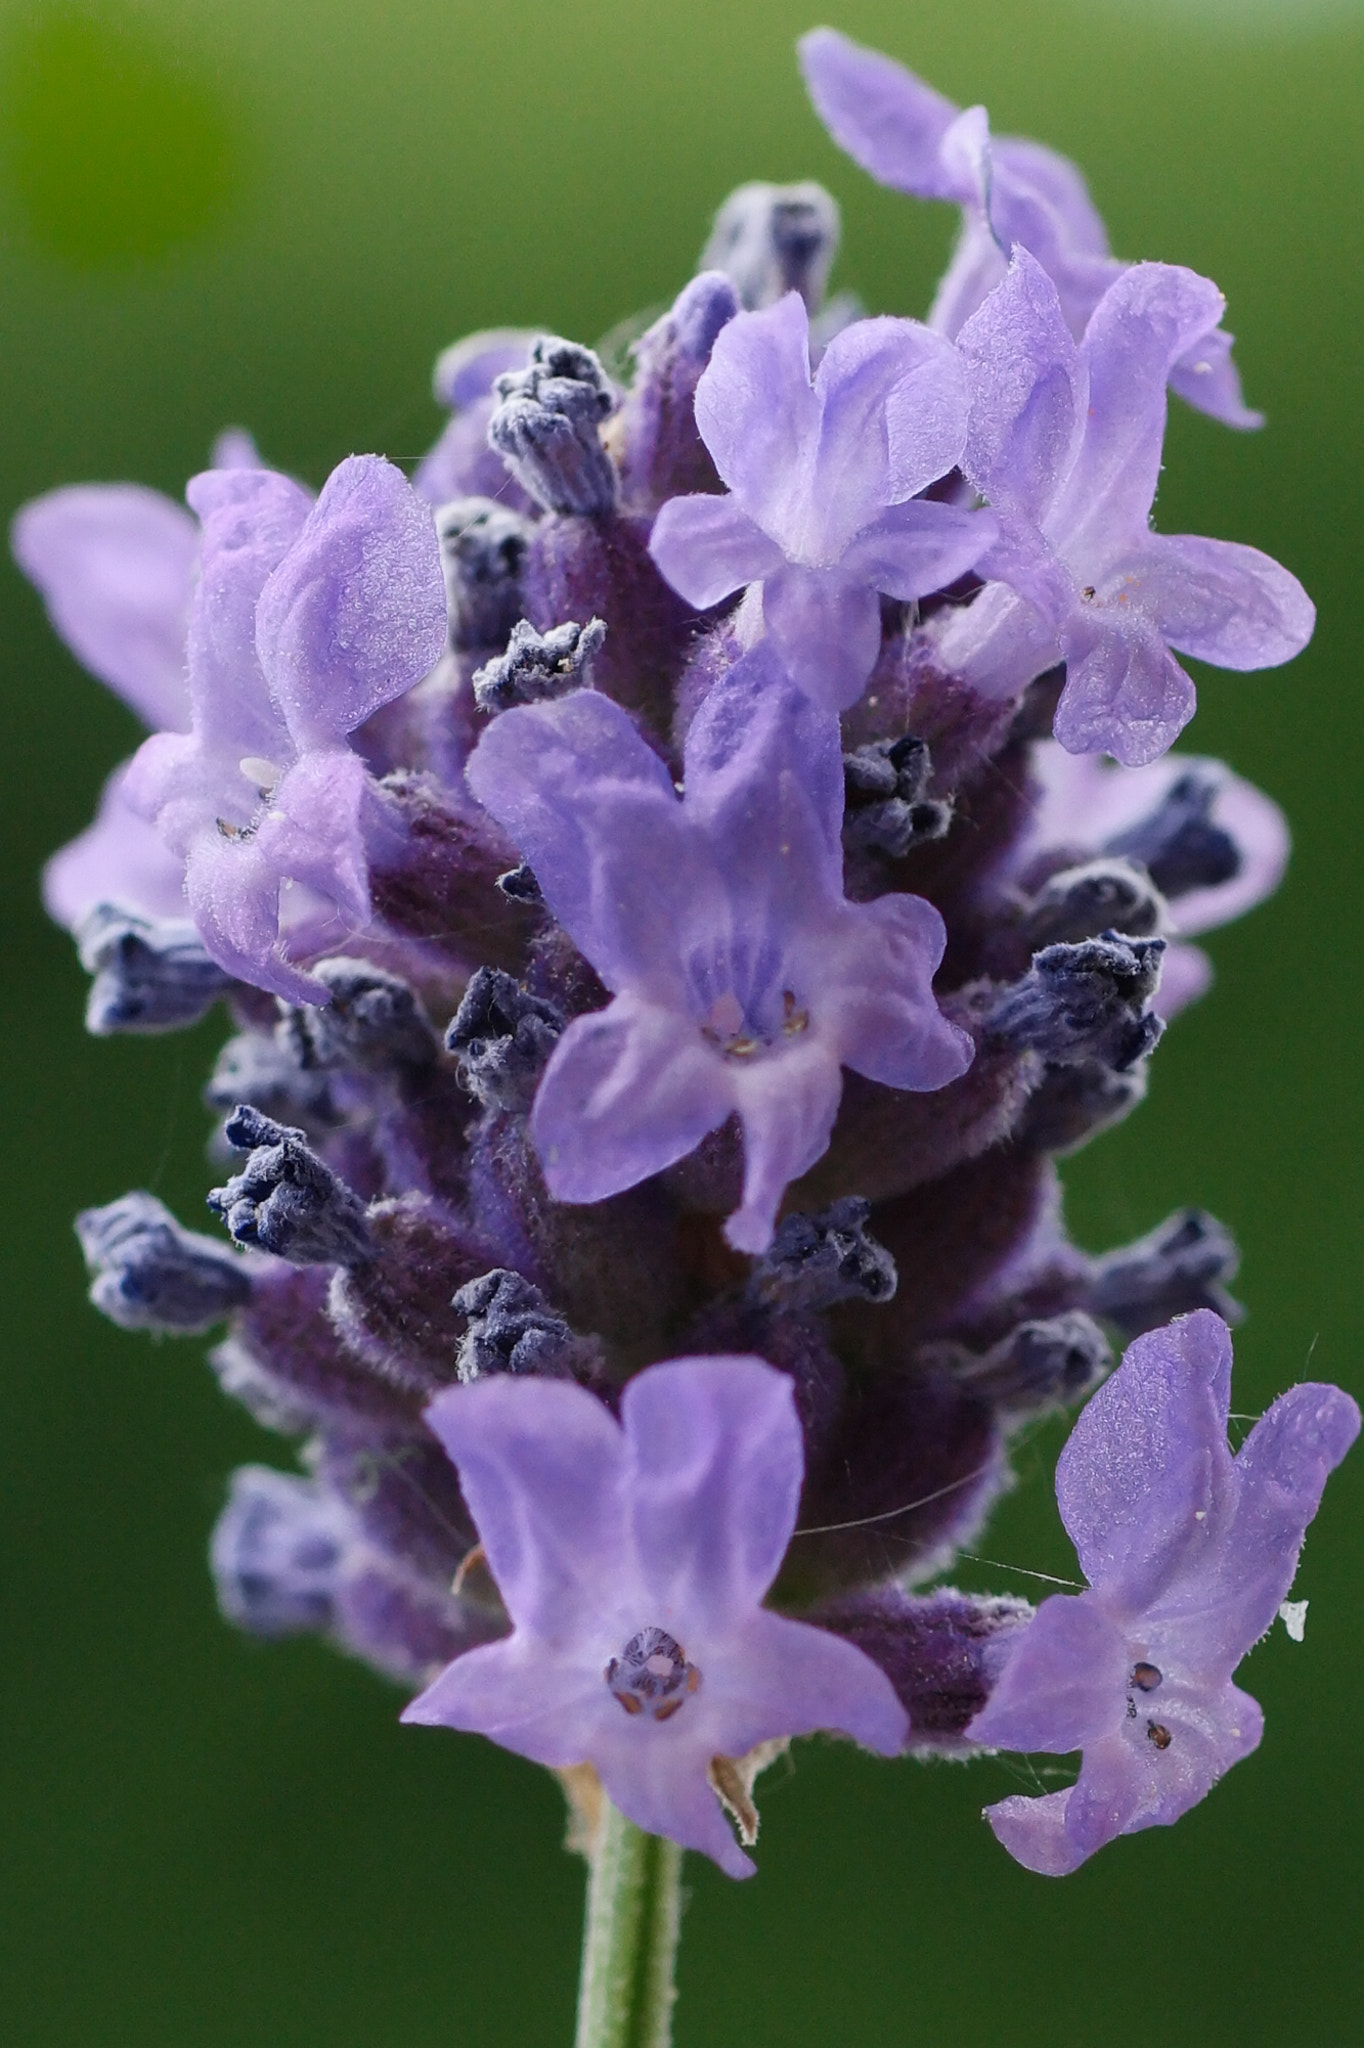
(633, 1558)
(1011, 192)
(1188, 1551)
(822, 476)
(306, 619)
(743, 979)
(1065, 441)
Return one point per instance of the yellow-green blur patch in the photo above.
(116, 152)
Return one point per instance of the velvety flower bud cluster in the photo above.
(682, 869)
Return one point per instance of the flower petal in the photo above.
(1125, 693)
(118, 859)
(1145, 322)
(890, 1027)
(1222, 603)
(1062, 1686)
(548, 774)
(1034, 1832)
(910, 550)
(1206, 378)
(1029, 393)
(827, 632)
(1211, 1617)
(757, 412)
(893, 408)
(250, 520)
(717, 1462)
(1147, 1462)
(629, 1091)
(881, 114)
(707, 547)
(115, 565)
(787, 1105)
(542, 1465)
(666, 1792)
(355, 614)
(513, 1693)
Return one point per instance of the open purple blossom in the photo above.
(1065, 441)
(1012, 193)
(633, 1558)
(743, 980)
(822, 475)
(306, 619)
(1189, 1552)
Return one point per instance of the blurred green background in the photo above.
(276, 216)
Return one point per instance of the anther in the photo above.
(1159, 1734)
(1145, 1677)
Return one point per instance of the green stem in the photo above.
(634, 1905)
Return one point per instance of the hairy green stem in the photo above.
(634, 1904)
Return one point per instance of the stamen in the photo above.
(1145, 1677)
(262, 774)
(652, 1673)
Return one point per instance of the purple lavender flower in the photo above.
(1188, 1551)
(821, 510)
(633, 1559)
(1012, 192)
(307, 618)
(1066, 443)
(743, 979)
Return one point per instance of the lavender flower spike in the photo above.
(1065, 441)
(1189, 1552)
(1011, 192)
(743, 979)
(633, 1559)
(823, 475)
(306, 619)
